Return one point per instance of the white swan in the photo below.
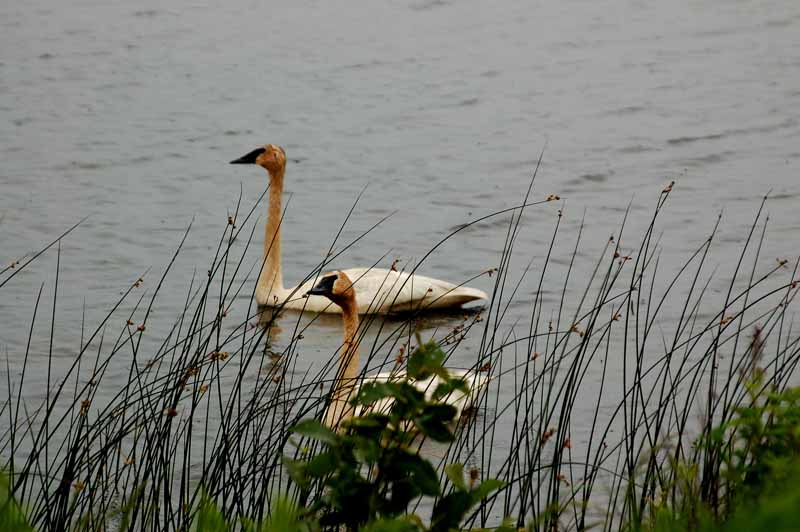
(380, 291)
(339, 288)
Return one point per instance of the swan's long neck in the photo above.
(347, 373)
(271, 278)
(348, 363)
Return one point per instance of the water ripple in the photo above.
(755, 129)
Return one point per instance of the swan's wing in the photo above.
(377, 291)
(381, 290)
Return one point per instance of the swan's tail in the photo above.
(457, 297)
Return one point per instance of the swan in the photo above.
(380, 291)
(338, 288)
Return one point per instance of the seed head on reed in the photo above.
(546, 436)
(218, 356)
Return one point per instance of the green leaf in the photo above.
(485, 488)
(367, 428)
(373, 392)
(209, 518)
(434, 422)
(322, 465)
(12, 516)
(440, 412)
(449, 510)
(396, 524)
(449, 386)
(434, 430)
(286, 516)
(423, 475)
(403, 492)
(408, 401)
(370, 421)
(368, 450)
(455, 472)
(350, 501)
(426, 360)
(311, 428)
(296, 470)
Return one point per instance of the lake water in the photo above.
(129, 113)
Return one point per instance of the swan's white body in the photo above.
(458, 399)
(380, 291)
(339, 289)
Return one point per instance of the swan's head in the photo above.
(335, 286)
(271, 157)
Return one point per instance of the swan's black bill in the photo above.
(324, 286)
(250, 158)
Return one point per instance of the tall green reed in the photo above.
(209, 407)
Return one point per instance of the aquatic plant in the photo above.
(205, 412)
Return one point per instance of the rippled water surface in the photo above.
(128, 112)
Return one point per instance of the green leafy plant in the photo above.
(766, 443)
(370, 472)
(12, 517)
(775, 509)
(758, 458)
(209, 518)
(284, 516)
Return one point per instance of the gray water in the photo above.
(129, 113)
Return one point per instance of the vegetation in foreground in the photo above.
(370, 474)
(211, 431)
